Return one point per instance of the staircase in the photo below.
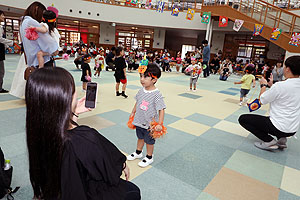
(260, 12)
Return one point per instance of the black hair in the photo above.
(119, 50)
(152, 70)
(249, 69)
(204, 42)
(49, 15)
(36, 14)
(1, 12)
(87, 56)
(293, 63)
(48, 96)
(113, 48)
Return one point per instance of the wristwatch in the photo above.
(264, 85)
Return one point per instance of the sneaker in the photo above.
(3, 91)
(241, 103)
(281, 143)
(267, 145)
(134, 156)
(194, 90)
(145, 162)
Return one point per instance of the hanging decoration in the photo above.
(258, 28)
(223, 21)
(295, 39)
(160, 7)
(175, 10)
(134, 2)
(206, 17)
(148, 4)
(190, 14)
(276, 32)
(238, 25)
(128, 2)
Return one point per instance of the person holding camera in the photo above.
(66, 160)
(284, 100)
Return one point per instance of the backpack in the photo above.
(5, 180)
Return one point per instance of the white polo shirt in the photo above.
(284, 99)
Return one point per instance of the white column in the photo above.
(207, 29)
(210, 32)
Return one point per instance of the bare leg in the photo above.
(140, 144)
(191, 85)
(117, 87)
(84, 85)
(124, 87)
(40, 58)
(150, 149)
(195, 84)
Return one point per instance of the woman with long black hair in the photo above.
(68, 161)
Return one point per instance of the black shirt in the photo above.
(120, 64)
(85, 67)
(91, 167)
(109, 57)
(216, 62)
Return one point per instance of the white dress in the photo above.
(18, 85)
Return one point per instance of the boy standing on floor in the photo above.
(149, 106)
(195, 70)
(246, 81)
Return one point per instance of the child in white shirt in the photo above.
(195, 70)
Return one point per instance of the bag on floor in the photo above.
(5, 179)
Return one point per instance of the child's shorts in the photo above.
(144, 134)
(193, 80)
(244, 92)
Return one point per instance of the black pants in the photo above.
(261, 127)
(206, 70)
(133, 192)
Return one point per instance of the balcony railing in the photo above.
(264, 12)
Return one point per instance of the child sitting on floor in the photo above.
(246, 81)
(149, 105)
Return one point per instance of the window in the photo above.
(185, 49)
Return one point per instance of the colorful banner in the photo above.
(205, 17)
(276, 32)
(238, 24)
(148, 4)
(258, 28)
(295, 40)
(223, 21)
(160, 7)
(175, 10)
(190, 14)
(134, 2)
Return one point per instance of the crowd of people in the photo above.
(71, 161)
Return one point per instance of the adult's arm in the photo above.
(268, 96)
(5, 41)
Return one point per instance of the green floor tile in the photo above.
(255, 167)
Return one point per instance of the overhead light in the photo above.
(113, 24)
(76, 21)
(95, 26)
(132, 28)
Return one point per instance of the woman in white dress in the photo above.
(18, 85)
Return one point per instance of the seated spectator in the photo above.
(78, 58)
(284, 100)
(68, 161)
(110, 59)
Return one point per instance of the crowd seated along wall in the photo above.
(117, 14)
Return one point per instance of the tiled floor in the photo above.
(205, 155)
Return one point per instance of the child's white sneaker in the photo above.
(241, 103)
(134, 156)
(145, 162)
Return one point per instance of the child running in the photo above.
(49, 26)
(246, 81)
(149, 106)
(99, 64)
(195, 70)
(86, 71)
